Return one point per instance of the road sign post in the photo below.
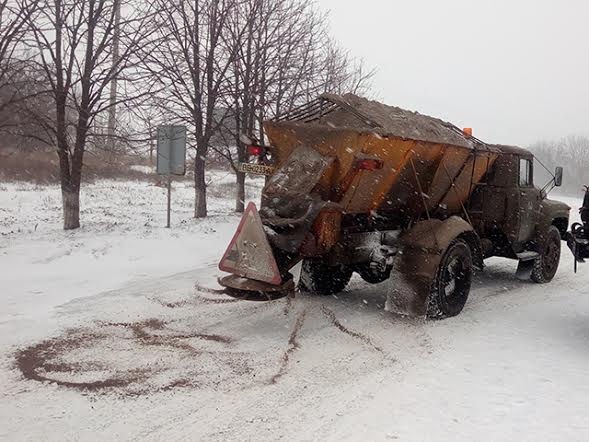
(169, 201)
(171, 157)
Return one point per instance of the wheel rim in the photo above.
(455, 281)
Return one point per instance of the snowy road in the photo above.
(128, 348)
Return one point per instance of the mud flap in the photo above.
(411, 283)
(525, 269)
(404, 299)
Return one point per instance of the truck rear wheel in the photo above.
(546, 265)
(322, 279)
(453, 280)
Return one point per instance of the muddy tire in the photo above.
(371, 275)
(319, 278)
(546, 265)
(451, 287)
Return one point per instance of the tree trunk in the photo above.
(71, 208)
(200, 188)
(240, 200)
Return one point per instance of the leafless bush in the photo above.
(40, 167)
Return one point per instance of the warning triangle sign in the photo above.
(249, 254)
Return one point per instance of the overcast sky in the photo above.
(516, 71)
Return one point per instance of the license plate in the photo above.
(255, 169)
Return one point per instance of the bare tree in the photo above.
(191, 65)
(75, 44)
(341, 73)
(225, 66)
(243, 83)
(149, 118)
(284, 57)
(14, 16)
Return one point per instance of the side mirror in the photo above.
(558, 176)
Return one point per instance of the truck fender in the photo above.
(560, 221)
(417, 265)
(435, 236)
(552, 213)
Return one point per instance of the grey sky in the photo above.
(516, 71)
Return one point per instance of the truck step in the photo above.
(527, 256)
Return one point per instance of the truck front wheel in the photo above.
(322, 279)
(546, 265)
(453, 280)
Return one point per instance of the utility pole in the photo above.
(112, 110)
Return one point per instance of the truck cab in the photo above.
(512, 215)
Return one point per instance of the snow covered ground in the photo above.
(126, 341)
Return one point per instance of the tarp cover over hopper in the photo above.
(348, 168)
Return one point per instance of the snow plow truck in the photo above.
(358, 186)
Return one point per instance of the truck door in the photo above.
(529, 200)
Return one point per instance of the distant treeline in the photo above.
(572, 153)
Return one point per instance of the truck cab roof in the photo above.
(513, 150)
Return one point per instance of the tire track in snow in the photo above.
(330, 315)
(293, 345)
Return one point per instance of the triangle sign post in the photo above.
(249, 253)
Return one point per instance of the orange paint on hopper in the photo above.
(424, 164)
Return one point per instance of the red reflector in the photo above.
(255, 150)
(368, 164)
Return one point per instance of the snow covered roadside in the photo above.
(188, 364)
(122, 239)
